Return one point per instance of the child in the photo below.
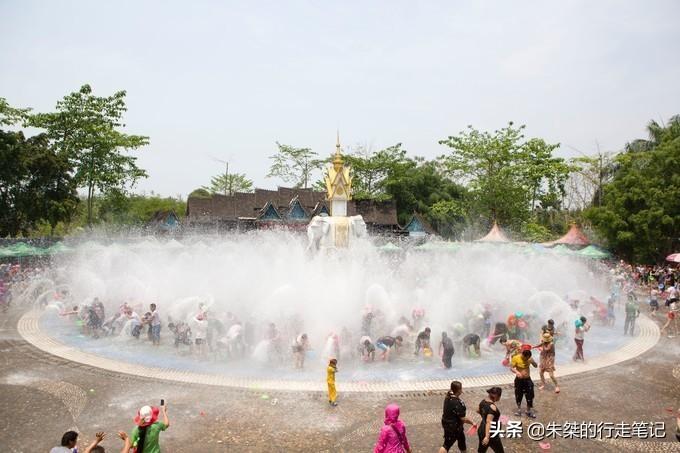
(330, 380)
(653, 302)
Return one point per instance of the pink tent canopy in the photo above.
(574, 237)
(495, 235)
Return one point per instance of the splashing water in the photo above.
(268, 277)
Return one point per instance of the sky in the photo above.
(227, 80)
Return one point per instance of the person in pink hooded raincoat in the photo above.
(392, 437)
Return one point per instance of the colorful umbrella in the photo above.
(674, 258)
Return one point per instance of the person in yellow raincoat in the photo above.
(330, 380)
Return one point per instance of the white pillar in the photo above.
(339, 208)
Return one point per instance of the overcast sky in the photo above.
(229, 79)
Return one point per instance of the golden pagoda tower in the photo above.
(338, 183)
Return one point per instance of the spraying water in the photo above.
(266, 278)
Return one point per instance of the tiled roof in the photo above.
(251, 204)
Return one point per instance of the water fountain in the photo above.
(337, 230)
(266, 277)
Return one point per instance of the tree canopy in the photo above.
(294, 165)
(35, 184)
(86, 130)
(640, 211)
(506, 175)
(229, 184)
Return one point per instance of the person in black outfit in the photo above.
(472, 340)
(453, 418)
(490, 414)
(446, 350)
(500, 331)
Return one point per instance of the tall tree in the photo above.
(505, 174)
(545, 175)
(418, 186)
(229, 184)
(294, 165)
(640, 211)
(35, 184)
(370, 169)
(490, 165)
(86, 130)
(589, 176)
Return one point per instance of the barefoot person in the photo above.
(446, 350)
(632, 312)
(524, 386)
(423, 341)
(300, 347)
(547, 359)
(386, 343)
(471, 342)
(453, 418)
(671, 321)
(582, 326)
(366, 349)
(155, 325)
(490, 415)
(330, 380)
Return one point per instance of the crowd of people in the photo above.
(208, 333)
(211, 333)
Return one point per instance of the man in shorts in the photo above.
(386, 343)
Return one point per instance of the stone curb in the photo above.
(29, 328)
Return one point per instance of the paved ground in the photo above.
(41, 396)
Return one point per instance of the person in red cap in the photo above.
(145, 436)
(524, 386)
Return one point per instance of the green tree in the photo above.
(370, 169)
(35, 184)
(448, 217)
(118, 208)
(11, 115)
(86, 130)
(589, 176)
(545, 176)
(229, 184)
(640, 211)
(294, 165)
(418, 186)
(505, 174)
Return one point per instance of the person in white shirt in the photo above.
(200, 330)
(155, 325)
(582, 326)
(300, 346)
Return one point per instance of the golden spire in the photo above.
(337, 178)
(337, 159)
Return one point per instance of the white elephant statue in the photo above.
(326, 232)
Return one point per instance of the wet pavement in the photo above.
(41, 396)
